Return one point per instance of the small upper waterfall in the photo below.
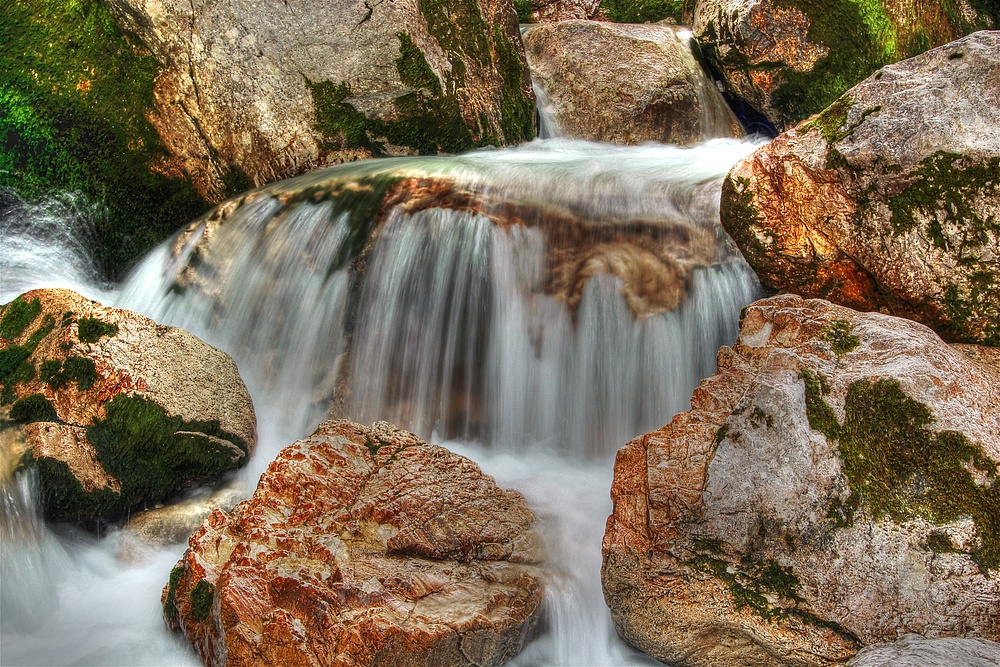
(496, 297)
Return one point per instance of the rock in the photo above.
(915, 651)
(792, 58)
(626, 83)
(834, 485)
(116, 411)
(890, 199)
(362, 547)
(646, 11)
(260, 90)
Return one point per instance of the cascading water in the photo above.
(491, 302)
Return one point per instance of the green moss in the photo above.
(517, 110)
(61, 496)
(170, 604)
(860, 38)
(819, 414)
(90, 330)
(646, 11)
(33, 408)
(898, 468)
(75, 94)
(150, 453)
(523, 9)
(939, 542)
(17, 316)
(201, 599)
(838, 334)
(80, 370)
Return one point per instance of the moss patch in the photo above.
(838, 335)
(33, 408)
(170, 604)
(646, 11)
(15, 367)
(90, 330)
(74, 97)
(150, 453)
(17, 316)
(80, 370)
(898, 468)
(201, 599)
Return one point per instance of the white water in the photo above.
(449, 308)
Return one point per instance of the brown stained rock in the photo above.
(890, 199)
(260, 91)
(362, 547)
(746, 531)
(74, 377)
(626, 83)
(553, 11)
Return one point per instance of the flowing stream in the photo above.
(458, 329)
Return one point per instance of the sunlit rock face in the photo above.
(890, 199)
(626, 83)
(834, 485)
(259, 91)
(116, 411)
(791, 59)
(362, 546)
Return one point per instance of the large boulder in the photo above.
(362, 546)
(834, 485)
(792, 58)
(626, 83)
(255, 91)
(889, 199)
(915, 651)
(113, 410)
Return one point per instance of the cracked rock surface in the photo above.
(362, 546)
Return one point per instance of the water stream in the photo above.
(457, 328)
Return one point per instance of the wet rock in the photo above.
(915, 651)
(889, 199)
(626, 83)
(833, 486)
(259, 91)
(114, 410)
(791, 59)
(363, 547)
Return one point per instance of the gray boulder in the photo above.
(626, 83)
(915, 651)
(260, 90)
(889, 199)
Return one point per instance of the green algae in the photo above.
(149, 452)
(838, 334)
(15, 367)
(80, 370)
(647, 11)
(17, 316)
(898, 468)
(201, 599)
(170, 604)
(33, 408)
(90, 329)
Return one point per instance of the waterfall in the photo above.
(496, 303)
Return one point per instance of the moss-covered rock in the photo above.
(114, 412)
(256, 92)
(793, 58)
(890, 198)
(834, 485)
(75, 95)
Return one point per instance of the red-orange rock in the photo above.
(362, 547)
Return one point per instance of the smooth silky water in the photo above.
(450, 336)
